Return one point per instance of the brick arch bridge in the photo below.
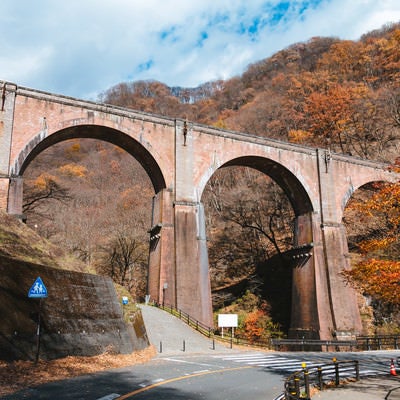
(180, 158)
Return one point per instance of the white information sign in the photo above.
(227, 320)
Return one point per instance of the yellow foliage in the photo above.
(76, 147)
(42, 181)
(73, 170)
(220, 124)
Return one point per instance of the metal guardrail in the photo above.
(378, 342)
(211, 332)
(300, 384)
(305, 344)
(360, 343)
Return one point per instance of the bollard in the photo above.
(160, 347)
(184, 346)
(320, 380)
(357, 371)
(213, 342)
(292, 389)
(337, 380)
(297, 385)
(306, 381)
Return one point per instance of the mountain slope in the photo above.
(19, 242)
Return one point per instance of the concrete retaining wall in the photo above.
(80, 316)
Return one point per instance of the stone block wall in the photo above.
(81, 315)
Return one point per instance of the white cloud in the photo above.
(82, 47)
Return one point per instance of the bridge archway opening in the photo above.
(370, 218)
(251, 206)
(105, 214)
(293, 189)
(103, 133)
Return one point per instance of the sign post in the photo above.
(124, 303)
(38, 291)
(227, 321)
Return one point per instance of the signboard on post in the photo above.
(38, 290)
(227, 321)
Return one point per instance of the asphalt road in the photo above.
(202, 371)
(230, 375)
(192, 377)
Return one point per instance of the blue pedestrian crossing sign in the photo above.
(38, 290)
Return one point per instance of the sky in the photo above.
(81, 48)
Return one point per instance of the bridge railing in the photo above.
(360, 343)
(300, 384)
(311, 344)
(378, 342)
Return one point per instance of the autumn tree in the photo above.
(42, 189)
(263, 210)
(254, 322)
(124, 260)
(377, 273)
(379, 279)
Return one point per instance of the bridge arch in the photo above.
(289, 183)
(303, 273)
(39, 143)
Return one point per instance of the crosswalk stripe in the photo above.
(275, 363)
(247, 357)
(291, 364)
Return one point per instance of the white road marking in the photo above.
(191, 362)
(109, 396)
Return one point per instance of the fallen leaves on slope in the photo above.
(19, 375)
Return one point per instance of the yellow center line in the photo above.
(179, 378)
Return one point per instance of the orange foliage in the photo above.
(253, 326)
(375, 244)
(330, 112)
(387, 203)
(298, 136)
(378, 278)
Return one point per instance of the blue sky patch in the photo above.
(197, 42)
(171, 35)
(145, 66)
(202, 39)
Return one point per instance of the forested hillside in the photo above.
(326, 92)
(94, 199)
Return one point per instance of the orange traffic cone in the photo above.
(392, 368)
